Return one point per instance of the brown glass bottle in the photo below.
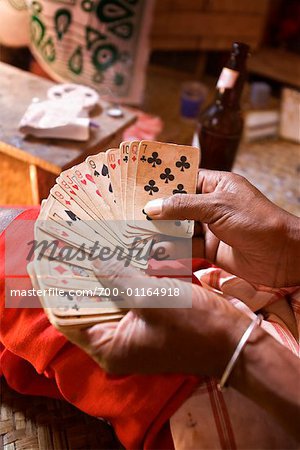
(220, 126)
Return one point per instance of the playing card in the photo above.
(81, 321)
(69, 319)
(124, 153)
(86, 180)
(67, 276)
(62, 212)
(99, 166)
(68, 236)
(164, 170)
(83, 218)
(105, 168)
(130, 180)
(114, 170)
(69, 200)
(67, 270)
(75, 296)
(84, 177)
(71, 186)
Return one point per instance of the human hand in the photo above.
(243, 231)
(193, 340)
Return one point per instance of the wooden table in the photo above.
(30, 165)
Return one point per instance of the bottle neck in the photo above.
(232, 78)
(231, 96)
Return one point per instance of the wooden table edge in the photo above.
(21, 155)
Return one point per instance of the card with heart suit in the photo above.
(114, 170)
(97, 208)
(130, 179)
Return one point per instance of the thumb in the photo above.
(206, 208)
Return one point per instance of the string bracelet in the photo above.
(242, 342)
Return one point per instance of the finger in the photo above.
(211, 245)
(141, 291)
(131, 346)
(206, 208)
(96, 341)
(97, 336)
(208, 180)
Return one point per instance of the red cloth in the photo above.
(37, 359)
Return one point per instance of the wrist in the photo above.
(233, 330)
(238, 350)
(249, 357)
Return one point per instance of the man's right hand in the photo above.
(243, 231)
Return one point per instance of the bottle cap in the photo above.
(240, 48)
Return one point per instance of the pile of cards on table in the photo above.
(98, 206)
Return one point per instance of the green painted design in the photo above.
(37, 29)
(48, 50)
(87, 5)
(91, 36)
(98, 47)
(119, 79)
(62, 22)
(75, 62)
(98, 77)
(123, 30)
(104, 56)
(36, 7)
(112, 10)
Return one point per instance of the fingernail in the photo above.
(154, 207)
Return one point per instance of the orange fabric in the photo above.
(37, 359)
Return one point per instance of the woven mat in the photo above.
(38, 423)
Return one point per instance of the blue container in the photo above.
(192, 97)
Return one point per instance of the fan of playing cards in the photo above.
(96, 209)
